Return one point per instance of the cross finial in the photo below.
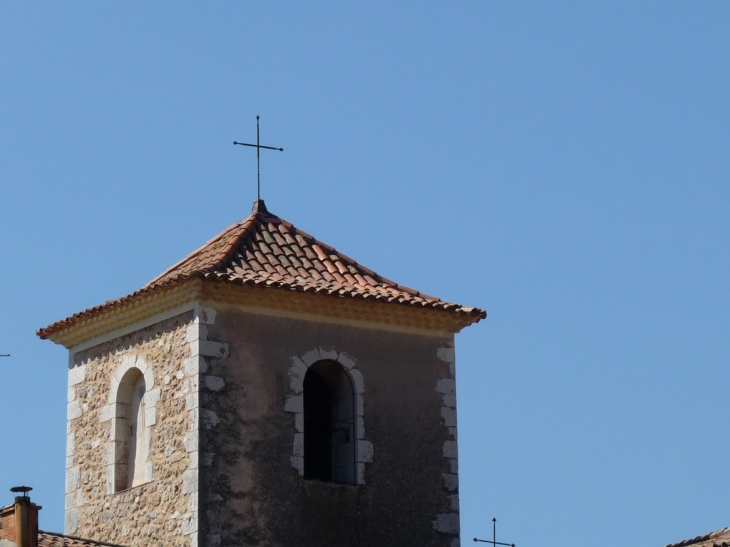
(258, 146)
(494, 541)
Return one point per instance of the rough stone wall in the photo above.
(252, 491)
(162, 511)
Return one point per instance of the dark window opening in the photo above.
(329, 424)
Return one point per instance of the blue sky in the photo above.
(563, 165)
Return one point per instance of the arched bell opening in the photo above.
(329, 424)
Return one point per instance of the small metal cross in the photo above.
(494, 537)
(258, 146)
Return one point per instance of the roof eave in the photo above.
(158, 298)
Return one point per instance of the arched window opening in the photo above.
(329, 424)
(130, 434)
(137, 442)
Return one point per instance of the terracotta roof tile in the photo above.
(720, 538)
(51, 539)
(254, 251)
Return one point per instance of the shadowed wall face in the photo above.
(284, 381)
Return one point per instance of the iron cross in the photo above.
(494, 541)
(258, 146)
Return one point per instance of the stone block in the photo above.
(196, 332)
(294, 403)
(194, 419)
(296, 376)
(454, 502)
(451, 481)
(449, 416)
(311, 357)
(190, 481)
(454, 466)
(446, 354)
(329, 354)
(190, 524)
(446, 386)
(297, 462)
(213, 383)
(450, 449)
(152, 397)
(73, 410)
(149, 474)
(70, 445)
(191, 442)
(73, 479)
(192, 401)
(71, 524)
(192, 366)
(299, 445)
(447, 523)
(346, 360)
(216, 350)
(209, 419)
(76, 375)
(364, 451)
(357, 380)
(110, 453)
(207, 316)
(450, 400)
(107, 412)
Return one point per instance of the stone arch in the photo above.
(338, 375)
(131, 410)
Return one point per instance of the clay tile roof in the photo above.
(51, 539)
(265, 250)
(721, 538)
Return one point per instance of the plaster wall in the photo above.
(252, 491)
(162, 510)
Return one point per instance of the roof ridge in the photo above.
(240, 228)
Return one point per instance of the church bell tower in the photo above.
(266, 390)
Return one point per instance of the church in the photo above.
(266, 390)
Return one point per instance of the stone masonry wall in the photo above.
(163, 510)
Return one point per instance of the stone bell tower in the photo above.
(267, 390)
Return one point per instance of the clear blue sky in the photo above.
(563, 165)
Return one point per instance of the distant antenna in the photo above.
(494, 537)
(258, 146)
